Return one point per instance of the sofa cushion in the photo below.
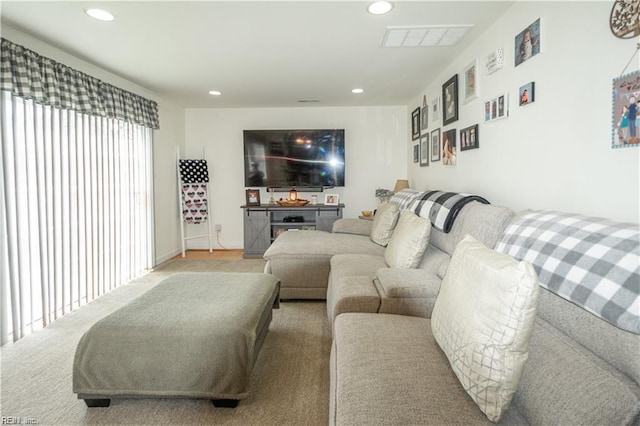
(388, 370)
(352, 226)
(483, 319)
(384, 222)
(408, 242)
(319, 244)
(408, 282)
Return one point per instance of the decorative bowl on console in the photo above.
(293, 203)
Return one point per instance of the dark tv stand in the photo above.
(262, 224)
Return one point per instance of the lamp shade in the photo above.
(293, 194)
(400, 185)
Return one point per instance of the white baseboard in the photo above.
(167, 256)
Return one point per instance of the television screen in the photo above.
(298, 158)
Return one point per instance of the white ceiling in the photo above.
(258, 54)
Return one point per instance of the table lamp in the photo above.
(400, 185)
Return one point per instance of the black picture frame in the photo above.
(252, 197)
(469, 138)
(450, 100)
(435, 145)
(416, 153)
(415, 124)
(424, 149)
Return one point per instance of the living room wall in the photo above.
(375, 155)
(555, 153)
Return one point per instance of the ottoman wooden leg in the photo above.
(225, 403)
(92, 403)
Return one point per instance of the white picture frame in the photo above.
(435, 108)
(331, 199)
(470, 83)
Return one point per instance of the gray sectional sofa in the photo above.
(387, 367)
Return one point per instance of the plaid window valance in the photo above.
(28, 75)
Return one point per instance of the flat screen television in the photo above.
(294, 158)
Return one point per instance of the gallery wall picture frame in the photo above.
(424, 114)
(415, 124)
(435, 145)
(496, 108)
(625, 131)
(449, 149)
(450, 100)
(424, 150)
(331, 199)
(469, 138)
(470, 81)
(527, 43)
(416, 153)
(435, 109)
(252, 197)
(526, 94)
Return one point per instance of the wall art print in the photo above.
(469, 138)
(435, 145)
(527, 43)
(415, 124)
(416, 153)
(450, 100)
(496, 108)
(435, 109)
(449, 150)
(626, 117)
(470, 81)
(424, 150)
(527, 94)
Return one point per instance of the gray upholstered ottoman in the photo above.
(194, 335)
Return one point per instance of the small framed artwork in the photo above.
(424, 114)
(496, 108)
(470, 81)
(416, 153)
(435, 145)
(450, 100)
(625, 126)
(527, 43)
(435, 109)
(527, 94)
(415, 124)
(424, 150)
(331, 199)
(469, 138)
(252, 197)
(449, 154)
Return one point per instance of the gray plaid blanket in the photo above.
(441, 207)
(592, 262)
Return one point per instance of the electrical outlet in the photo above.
(218, 227)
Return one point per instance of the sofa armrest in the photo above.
(408, 283)
(352, 226)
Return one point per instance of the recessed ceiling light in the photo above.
(215, 92)
(380, 7)
(99, 14)
(357, 90)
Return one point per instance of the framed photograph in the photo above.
(424, 150)
(496, 108)
(415, 124)
(435, 145)
(252, 197)
(527, 43)
(469, 138)
(435, 109)
(526, 94)
(331, 199)
(416, 153)
(424, 117)
(625, 126)
(450, 100)
(449, 153)
(470, 81)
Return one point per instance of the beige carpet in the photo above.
(290, 381)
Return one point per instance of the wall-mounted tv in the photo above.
(298, 158)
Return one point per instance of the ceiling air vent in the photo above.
(425, 36)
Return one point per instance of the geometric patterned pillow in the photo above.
(483, 319)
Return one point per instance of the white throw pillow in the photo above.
(408, 242)
(483, 319)
(384, 222)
